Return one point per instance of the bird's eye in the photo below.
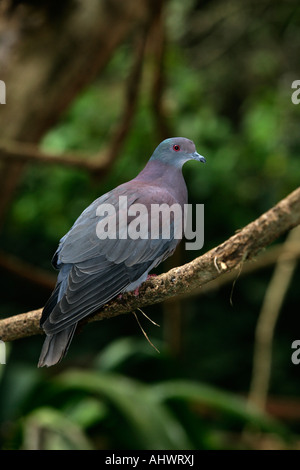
(176, 148)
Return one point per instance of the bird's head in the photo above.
(176, 151)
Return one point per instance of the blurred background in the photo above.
(92, 87)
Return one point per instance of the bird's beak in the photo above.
(198, 157)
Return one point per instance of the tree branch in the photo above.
(27, 271)
(242, 246)
(28, 152)
(265, 260)
(51, 81)
(101, 162)
(264, 334)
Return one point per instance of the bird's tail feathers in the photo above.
(57, 294)
(56, 346)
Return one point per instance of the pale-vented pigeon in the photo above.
(94, 269)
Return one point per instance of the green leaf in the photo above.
(216, 399)
(152, 423)
(49, 429)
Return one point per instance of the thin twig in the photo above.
(144, 332)
(148, 318)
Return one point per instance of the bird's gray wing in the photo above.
(101, 269)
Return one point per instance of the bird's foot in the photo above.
(136, 292)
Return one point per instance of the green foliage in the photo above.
(228, 74)
(96, 408)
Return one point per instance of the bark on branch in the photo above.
(239, 248)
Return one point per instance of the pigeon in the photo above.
(96, 267)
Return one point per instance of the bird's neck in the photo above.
(167, 176)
